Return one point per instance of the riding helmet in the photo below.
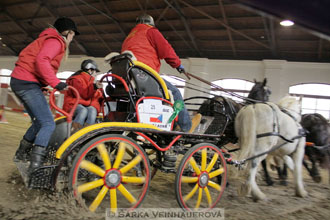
(89, 64)
(64, 24)
(145, 19)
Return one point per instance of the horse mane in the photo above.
(289, 103)
(229, 104)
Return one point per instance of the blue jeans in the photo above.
(38, 109)
(184, 120)
(85, 114)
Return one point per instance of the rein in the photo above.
(224, 90)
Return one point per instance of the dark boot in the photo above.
(75, 127)
(86, 125)
(23, 150)
(37, 157)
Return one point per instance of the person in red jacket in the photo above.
(149, 46)
(35, 68)
(90, 95)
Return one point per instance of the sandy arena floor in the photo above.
(16, 202)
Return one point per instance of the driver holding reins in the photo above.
(149, 46)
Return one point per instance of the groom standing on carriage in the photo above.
(149, 46)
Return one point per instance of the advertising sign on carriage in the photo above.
(153, 111)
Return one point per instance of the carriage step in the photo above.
(40, 178)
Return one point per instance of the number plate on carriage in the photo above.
(155, 113)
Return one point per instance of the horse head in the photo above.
(260, 91)
(318, 132)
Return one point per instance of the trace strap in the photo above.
(239, 163)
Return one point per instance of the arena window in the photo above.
(315, 98)
(239, 86)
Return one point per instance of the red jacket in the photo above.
(149, 46)
(40, 60)
(89, 96)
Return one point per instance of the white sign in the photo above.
(158, 119)
(152, 106)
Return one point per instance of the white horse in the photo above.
(264, 126)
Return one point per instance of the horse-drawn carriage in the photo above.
(110, 164)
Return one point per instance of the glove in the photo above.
(61, 86)
(181, 69)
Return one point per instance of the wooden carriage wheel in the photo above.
(104, 175)
(197, 180)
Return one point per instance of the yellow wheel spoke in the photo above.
(90, 185)
(131, 164)
(214, 159)
(208, 196)
(192, 192)
(113, 200)
(194, 165)
(214, 185)
(87, 165)
(127, 194)
(104, 155)
(204, 156)
(97, 201)
(189, 179)
(216, 173)
(200, 193)
(128, 179)
(120, 155)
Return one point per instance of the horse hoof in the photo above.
(270, 182)
(260, 198)
(302, 193)
(283, 182)
(272, 167)
(317, 179)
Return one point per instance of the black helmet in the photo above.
(64, 24)
(145, 19)
(89, 64)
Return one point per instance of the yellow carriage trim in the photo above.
(84, 131)
(59, 118)
(156, 75)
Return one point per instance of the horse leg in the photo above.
(269, 180)
(313, 171)
(283, 171)
(307, 168)
(284, 175)
(255, 190)
(297, 172)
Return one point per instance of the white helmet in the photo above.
(145, 19)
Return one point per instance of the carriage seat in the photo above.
(144, 80)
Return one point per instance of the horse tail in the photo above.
(245, 127)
